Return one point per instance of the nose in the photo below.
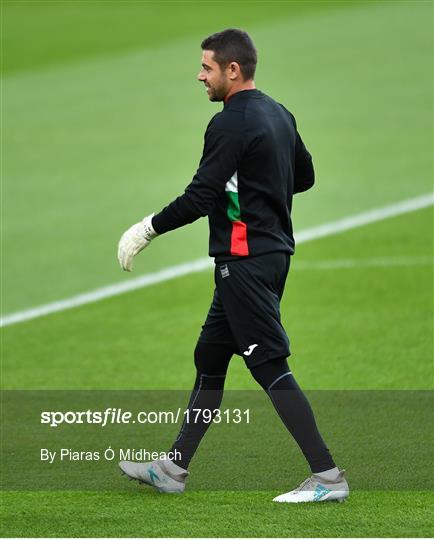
(201, 77)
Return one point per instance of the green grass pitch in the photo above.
(388, 307)
(103, 123)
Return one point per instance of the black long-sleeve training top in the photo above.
(252, 164)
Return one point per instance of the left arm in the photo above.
(220, 159)
(221, 155)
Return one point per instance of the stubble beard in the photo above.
(218, 93)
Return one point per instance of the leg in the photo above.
(327, 482)
(211, 356)
(211, 360)
(251, 291)
(295, 411)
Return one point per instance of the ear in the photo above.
(234, 71)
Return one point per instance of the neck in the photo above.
(247, 85)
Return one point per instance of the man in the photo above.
(253, 162)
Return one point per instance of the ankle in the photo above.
(330, 474)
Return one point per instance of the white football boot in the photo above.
(317, 489)
(163, 475)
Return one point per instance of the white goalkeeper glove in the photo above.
(134, 240)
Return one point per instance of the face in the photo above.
(217, 82)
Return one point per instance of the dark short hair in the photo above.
(233, 45)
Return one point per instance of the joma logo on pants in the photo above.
(250, 349)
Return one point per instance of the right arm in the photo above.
(304, 174)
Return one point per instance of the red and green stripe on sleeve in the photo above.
(239, 244)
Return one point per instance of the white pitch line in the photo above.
(351, 222)
(199, 265)
(108, 291)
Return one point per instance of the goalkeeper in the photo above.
(253, 162)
